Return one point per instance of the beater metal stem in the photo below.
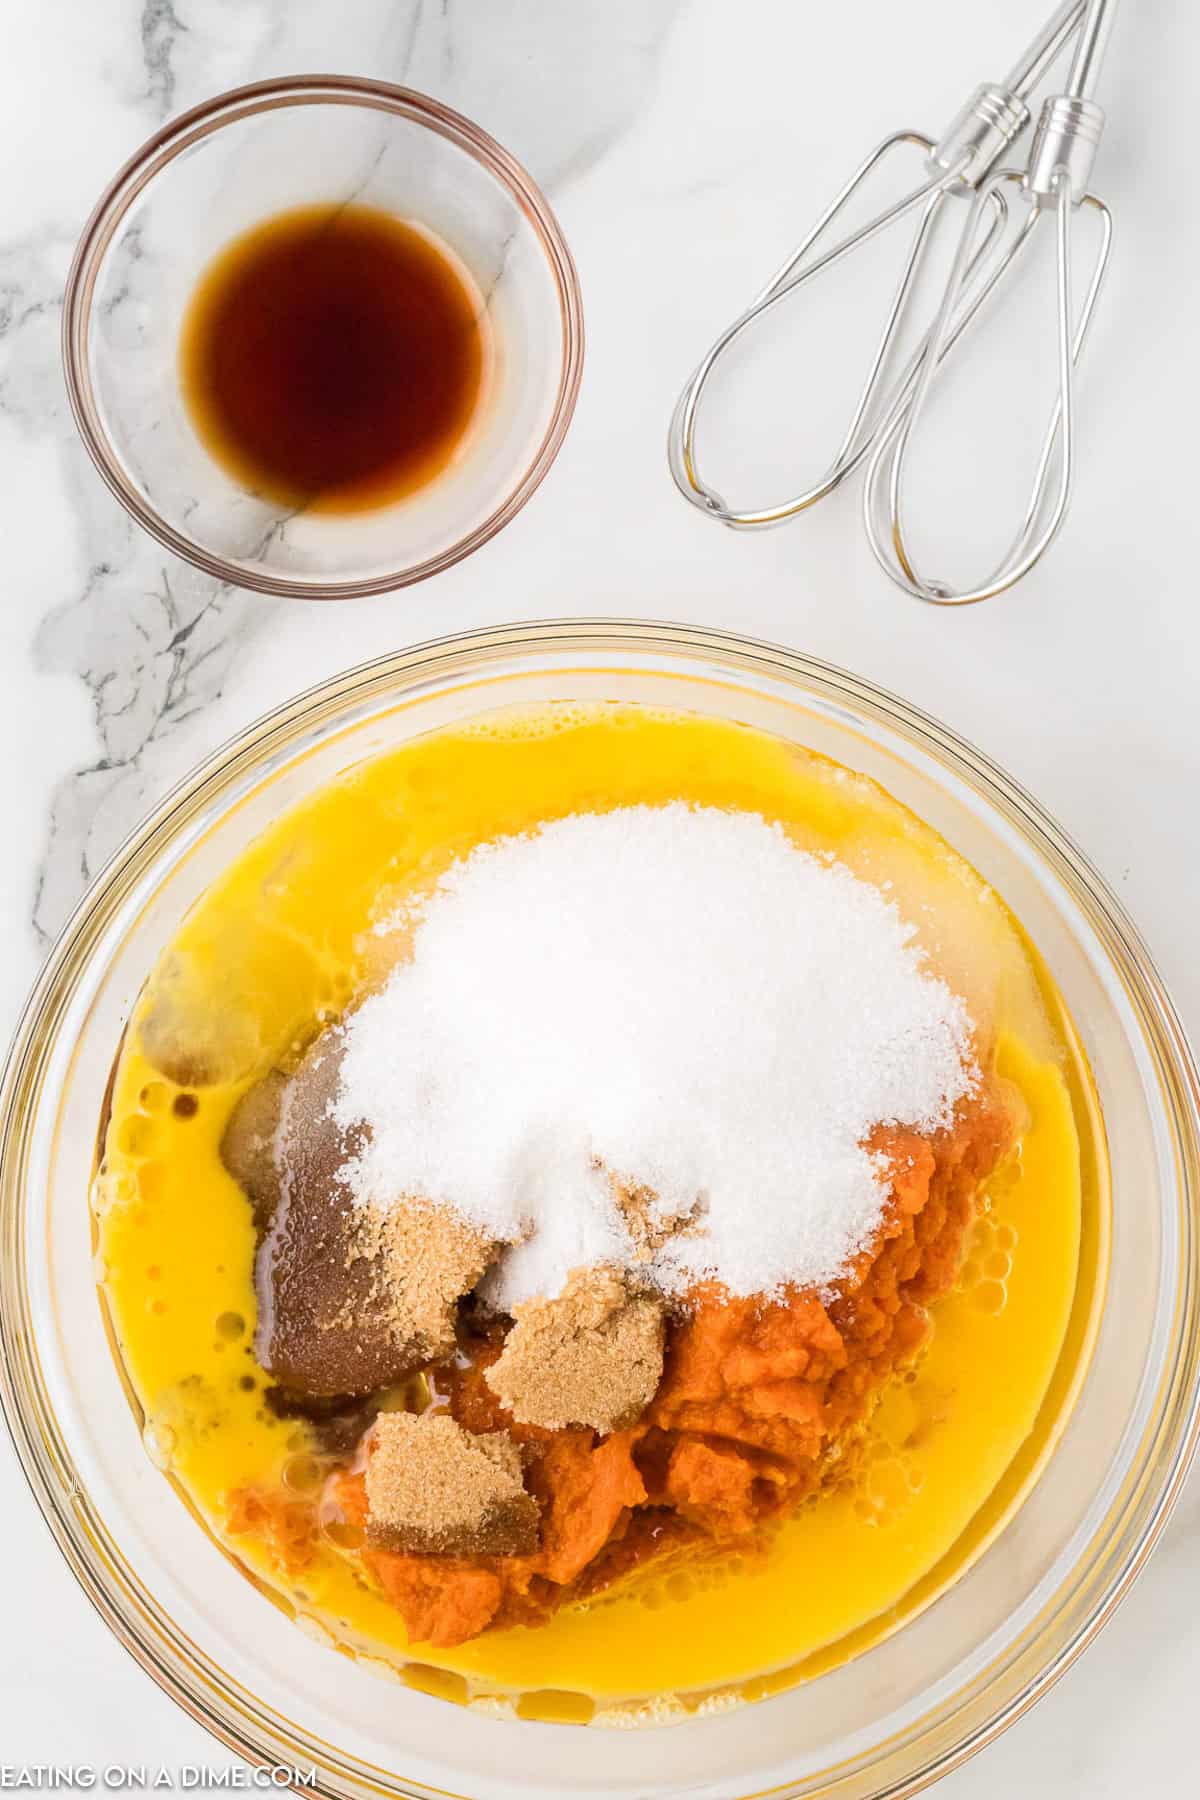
(1093, 39)
(1029, 70)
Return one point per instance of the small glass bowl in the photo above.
(223, 168)
(911, 1706)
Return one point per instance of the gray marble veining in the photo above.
(151, 639)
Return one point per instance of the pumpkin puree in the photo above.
(756, 1398)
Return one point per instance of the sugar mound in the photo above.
(672, 997)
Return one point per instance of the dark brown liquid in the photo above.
(333, 358)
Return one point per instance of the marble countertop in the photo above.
(684, 144)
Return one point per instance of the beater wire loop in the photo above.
(792, 275)
(885, 490)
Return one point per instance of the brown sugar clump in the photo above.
(351, 1298)
(423, 1258)
(649, 1228)
(592, 1357)
(435, 1489)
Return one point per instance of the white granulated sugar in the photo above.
(678, 996)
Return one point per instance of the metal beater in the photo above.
(962, 162)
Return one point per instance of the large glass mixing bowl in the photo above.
(906, 1709)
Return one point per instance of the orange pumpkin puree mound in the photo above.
(758, 1402)
(284, 1526)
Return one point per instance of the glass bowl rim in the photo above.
(154, 1643)
(193, 127)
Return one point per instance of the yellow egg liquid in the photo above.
(286, 938)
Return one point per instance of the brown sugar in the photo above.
(423, 1258)
(649, 1228)
(351, 1298)
(593, 1356)
(434, 1488)
(320, 1333)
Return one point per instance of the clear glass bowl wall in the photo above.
(225, 167)
(901, 1713)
